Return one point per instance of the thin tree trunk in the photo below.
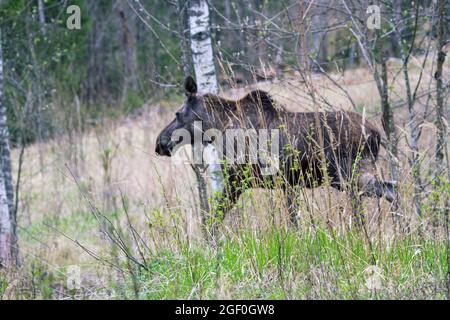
(441, 143)
(319, 44)
(397, 7)
(205, 73)
(352, 55)
(381, 82)
(8, 238)
(261, 37)
(93, 84)
(96, 82)
(198, 168)
(412, 121)
(229, 34)
(128, 47)
(5, 227)
(41, 13)
(440, 93)
(180, 8)
(388, 120)
(388, 123)
(201, 46)
(302, 46)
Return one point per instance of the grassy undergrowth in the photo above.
(299, 265)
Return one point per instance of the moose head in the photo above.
(181, 130)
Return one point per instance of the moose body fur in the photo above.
(339, 148)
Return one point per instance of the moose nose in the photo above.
(162, 149)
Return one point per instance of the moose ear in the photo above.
(190, 86)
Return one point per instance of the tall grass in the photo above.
(298, 265)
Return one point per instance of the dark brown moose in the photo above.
(339, 148)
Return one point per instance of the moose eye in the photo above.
(178, 115)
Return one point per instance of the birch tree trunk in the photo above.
(41, 13)
(5, 227)
(198, 169)
(201, 47)
(8, 239)
(205, 73)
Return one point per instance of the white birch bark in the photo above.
(5, 226)
(205, 73)
(214, 169)
(201, 47)
(7, 234)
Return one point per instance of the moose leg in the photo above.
(223, 202)
(356, 207)
(341, 180)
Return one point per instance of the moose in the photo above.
(335, 147)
